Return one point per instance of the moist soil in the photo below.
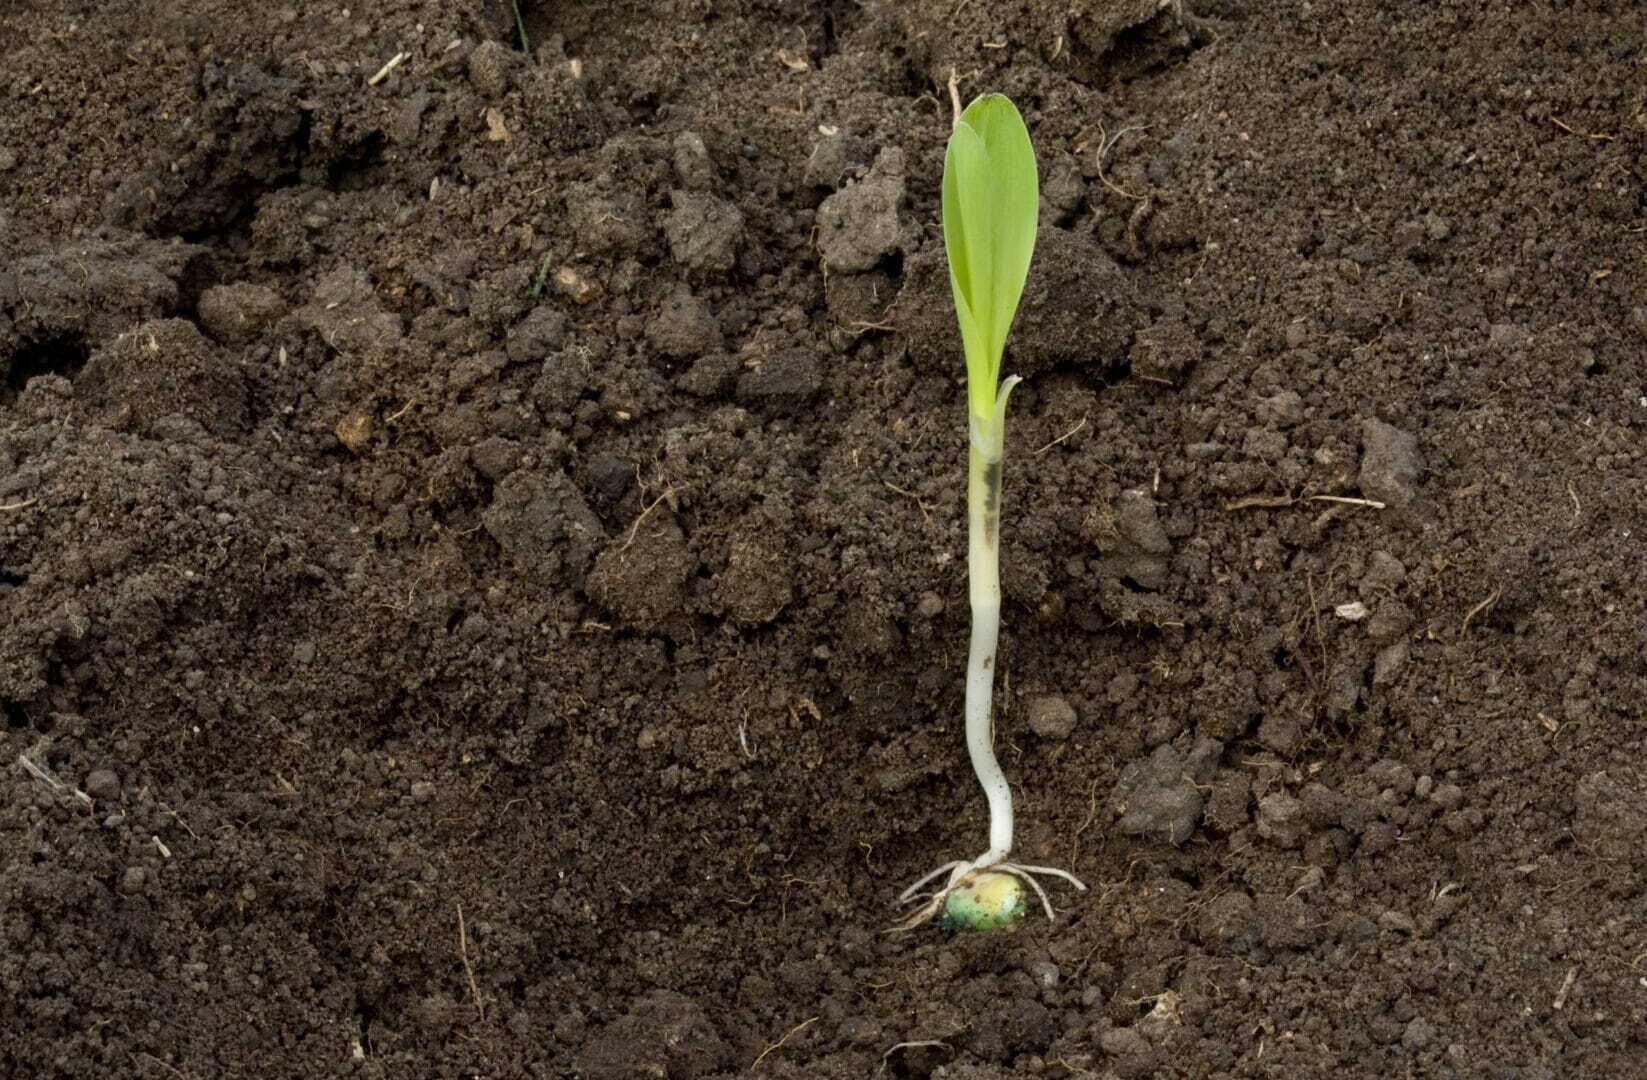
(482, 542)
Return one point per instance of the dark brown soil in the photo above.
(482, 583)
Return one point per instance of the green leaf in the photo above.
(991, 203)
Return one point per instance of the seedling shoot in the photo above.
(990, 207)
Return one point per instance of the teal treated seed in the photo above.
(989, 901)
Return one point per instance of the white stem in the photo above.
(988, 437)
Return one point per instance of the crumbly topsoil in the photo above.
(482, 582)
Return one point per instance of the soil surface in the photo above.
(482, 542)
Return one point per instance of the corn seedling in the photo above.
(990, 206)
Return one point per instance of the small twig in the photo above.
(383, 72)
(917, 1044)
(1346, 500)
(1599, 136)
(1315, 613)
(1260, 502)
(1281, 502)
(1444, 890)
(955, 96)
(1092, 815)
(1478, 609)
(38, 773)
(910, 495)
(634, 530)
(24, 505)
(175, 816)
(1104, 147)
(1062, 437)
(1135, 223)
(1560, 1001)
(791, 1033)
(468, 968)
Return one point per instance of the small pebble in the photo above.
(692, 165)
(1384, 572)
(103, 784)
(132, 883)
(1045, 973)
(1391, 464)
(1281, 820)
(1051, 717)
(1389, 662)
(1449, 796)
(489, 69)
